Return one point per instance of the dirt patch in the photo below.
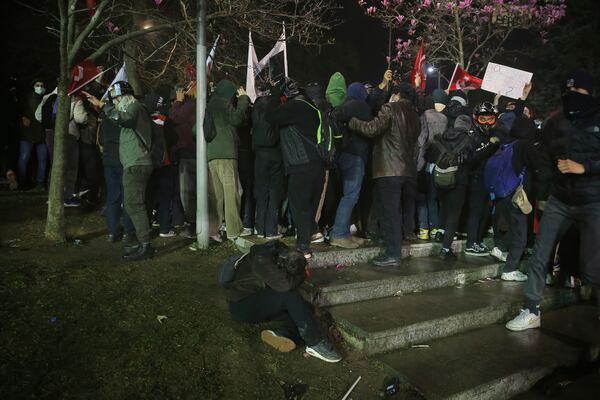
(78, 323)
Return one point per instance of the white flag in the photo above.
(121, 76)
(211, 56)
(278, 48)
(252, 69)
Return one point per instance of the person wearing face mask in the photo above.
(485, 142)
(33, 137)
(573, 142)
(135, 140)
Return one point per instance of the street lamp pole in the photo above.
(201, 163)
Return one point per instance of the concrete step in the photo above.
(325, 255)
(331, 286)
(494, 363)
(390, 323)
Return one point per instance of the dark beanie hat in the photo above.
(406, 91)
(439, 96)
(579, 78)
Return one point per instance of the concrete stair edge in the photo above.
(369, 290)
(439, 328)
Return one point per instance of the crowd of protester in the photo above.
(341, 164)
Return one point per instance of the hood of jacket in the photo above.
(523, 128)
(336, 90)
(357, 91)
(225, 89)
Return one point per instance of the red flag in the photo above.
(418, 69)
(82, 74)
(462, 80)
(91, 4)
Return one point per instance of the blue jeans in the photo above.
(25, 149)
(428, 210)
(114, 202)
(557, 219)
(352, 171)
(166, 177)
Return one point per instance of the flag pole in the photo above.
(285, 61)
(389, 47)
(451, 79)
(201, 161)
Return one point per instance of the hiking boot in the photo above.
(383, 260)
(169, 234)
(525, 320)
(324, 351)
(475, 250)
(143, 252)
(317, 238)
(277, 341)
(344, 243)
(516, 276)
(423, 234)
(447, 255)
(498, 254)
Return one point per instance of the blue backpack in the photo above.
(499, 177)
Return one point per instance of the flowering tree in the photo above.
(467, 32)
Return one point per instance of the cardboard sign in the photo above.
(505, 80)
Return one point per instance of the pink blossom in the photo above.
(362, 3)
(413, 22)
(399, 18)
(371, 10)
(464, 4)
(385, 3)
(449, 6)
(426, 3)
(411, 32)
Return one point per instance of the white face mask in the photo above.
(39, 90)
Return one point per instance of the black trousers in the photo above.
(304, 193)
(408, 209)
(452, 202)
(388, 196)
(269, 189)
(90, 169)
(517, 233)
(479, 210)
(289, 308)
(246, 174)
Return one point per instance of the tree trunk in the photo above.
(55, 222)
(131, 67)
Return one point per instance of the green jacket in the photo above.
(227, 119)
(336, 90)
(135, 120)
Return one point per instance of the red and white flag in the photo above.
(418, 69)
(82, 74)
(462, 80)
(211, 56)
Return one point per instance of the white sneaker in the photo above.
(169, 234)
(317, 238)
(516, 276)
(525, 320)
(274, 237)
(246, 232)
(498, 254)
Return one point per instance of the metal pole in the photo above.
(201, 161)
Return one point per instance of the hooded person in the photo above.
(457, 105)
(433, 123)
(222, 154)
(573, 142)
(353, 156)
(396, 129)
(451, 150)
(336, 90)
(298, 120)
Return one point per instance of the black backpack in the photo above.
(325, 136)
(48, 117)
(228, 268)
(210, 129)
(157, 148)
(447, 164)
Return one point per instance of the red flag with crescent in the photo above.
(418, 69)
(462, 80)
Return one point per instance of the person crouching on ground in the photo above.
(264, 288)
(134, 142)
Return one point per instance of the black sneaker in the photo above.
(143, 252)
(475, 250)
(386, 261)
(447, 255)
